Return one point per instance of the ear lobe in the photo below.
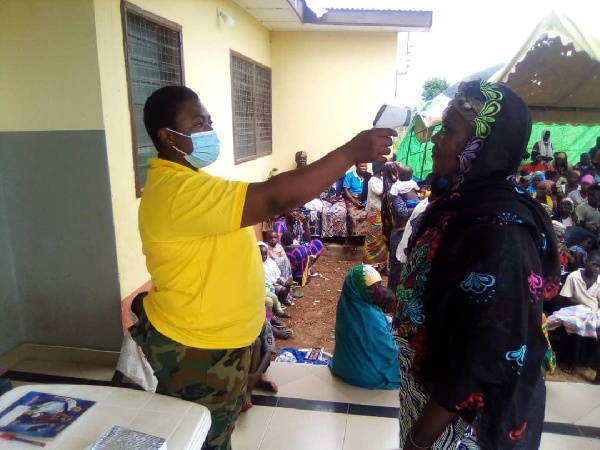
(165, 137)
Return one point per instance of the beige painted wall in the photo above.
(206, 46)
(326, 88)
(49, 75)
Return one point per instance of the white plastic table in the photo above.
(184, 424)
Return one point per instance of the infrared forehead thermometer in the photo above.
(390, 116)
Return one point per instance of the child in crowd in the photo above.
(274, 277)
(262, 351)
(406, 187)
(277, 253)
(580, 251)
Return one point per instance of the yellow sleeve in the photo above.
(206, 205)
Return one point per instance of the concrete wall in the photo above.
(11, 329)
(54, 173)
(206, 47)
(326, 88)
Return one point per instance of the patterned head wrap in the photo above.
(363, 276)
(371, 275)
(502, 126)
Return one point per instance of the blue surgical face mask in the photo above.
(205, 148)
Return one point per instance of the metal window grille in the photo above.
(251, 99)
(153, 57)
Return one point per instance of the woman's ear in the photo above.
(165, 137)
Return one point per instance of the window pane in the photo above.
(242, 74)
(154, 61)
(251, 94)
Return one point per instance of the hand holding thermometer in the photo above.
(390, 116)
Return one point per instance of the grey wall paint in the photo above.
(59, 214)
(11, 329)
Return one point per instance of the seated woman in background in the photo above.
(580, 195)
(536, 178)
(576, 317)
(572, 182)
(542, 195)
(365, 353)
(334, 218)
(298, 228)
(566, 213)
(353, 188)
(300, 258)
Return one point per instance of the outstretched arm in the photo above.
(290, 189)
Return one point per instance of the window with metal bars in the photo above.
(251, 104)
(153, 56)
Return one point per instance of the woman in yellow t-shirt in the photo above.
(196, 230)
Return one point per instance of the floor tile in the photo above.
(558, 442)
(300, 430)
(60, 368)
(285, 373)
(568, 403)
(371, 432)
(591, 420)
(313, 388)
(156, 424)
(10, 359)
(251, 427)
(102, 372)
(45, 352)
(16, 384)
(83, 355)
(354, 394)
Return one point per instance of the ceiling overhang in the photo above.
(294, 15)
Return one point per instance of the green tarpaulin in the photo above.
(573, 140)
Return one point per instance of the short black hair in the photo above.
(287, 239)
(162, 107)
(594, 255)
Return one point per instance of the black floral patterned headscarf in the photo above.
(491, 155)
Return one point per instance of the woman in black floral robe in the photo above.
(481, 261)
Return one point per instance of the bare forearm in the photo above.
(291, 189)
(296, 187)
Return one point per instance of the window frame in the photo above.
(257, 155)
(127, 7)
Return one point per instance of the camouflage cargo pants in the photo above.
(215, 379)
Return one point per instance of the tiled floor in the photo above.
(333, 415)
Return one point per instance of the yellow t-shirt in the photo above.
(207, 276)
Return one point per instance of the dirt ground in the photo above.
(313, 315)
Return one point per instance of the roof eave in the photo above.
(400, 20)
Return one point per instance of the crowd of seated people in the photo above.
(571, 196)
